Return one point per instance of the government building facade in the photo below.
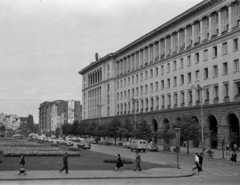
(188, 63)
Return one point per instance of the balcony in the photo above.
(198, 102)
(226, 99)
(206, 101)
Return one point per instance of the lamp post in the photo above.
(198, 87)
(177, 139)
(99, 106)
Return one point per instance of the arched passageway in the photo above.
(213, 129)
(233, 123)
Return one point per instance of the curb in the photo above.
(94, 178)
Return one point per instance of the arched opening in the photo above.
(233, 123)
(155, 129)
(213, 128)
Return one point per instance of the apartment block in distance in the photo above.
(189, 61)
(53, 115)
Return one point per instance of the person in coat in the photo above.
(201, 161)
(22, 167)
(65, 163)
(119, 163)
(137, 162)
(234, 157)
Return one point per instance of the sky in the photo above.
(45, 43)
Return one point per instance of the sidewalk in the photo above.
(96, 174)
(192, 150)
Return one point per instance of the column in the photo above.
(230, 17)
(219, 22)
(185, 32)
(165, 42)
(201, 30)
(193, 34)
(154, 52)
(124, 65)
(178, 41)
(171, 44)
(159, 49)
(210, 26)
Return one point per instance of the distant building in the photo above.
(26, 124)
(54, 114)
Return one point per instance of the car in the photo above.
(84, 145)
(138, 145)
(126, 145)
(69, 143)
(60, 142)
(152, 147)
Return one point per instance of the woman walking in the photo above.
(22, 167)
(234, 157)
(119, 163)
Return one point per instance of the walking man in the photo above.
(196, 162)
(65, 163)
(137, 162)
(201, 161)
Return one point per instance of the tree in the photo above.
(167, 134)
(127, 129)
(66, 128)
(74, 127)
(102, 130)
(91, 129)
(58, 132)
(113, 129)
(190, 129)
(2, 128)
(143, 131)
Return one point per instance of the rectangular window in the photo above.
(205, 73)
(197, 75)
(168, 82)
(128, 80)
(214, 51)
(121, 95)
(125, 94)
(207, 94)
(215, 70)
(190, 96)
(141, 89)
(129, 94)
(117, 96)
(169, 100)
(215, 92)
(121, 84)
(137, 91)
(132, 79)
(156, 86)
(146, 75)
(132, 93)
(141, 76)
(182, 97)
(189, 60)
(235, 41)
(196, 58)
(189, 77)
(181, 63)
(236, 65)
(237, 85)
(174, 65)
(175, 99)
(162, 84)
(175, 81)
(151, 87)
(156, 71)
(162, 69)
(224, 48)
(146, 89)
(151, 73)
(125, 82)
(118, 85)
(225, 68)
(168, 67)
(182, 79)
(163, 100)
(205, 55)
(136, 78)
(226, 89)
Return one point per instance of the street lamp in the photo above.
(99, 106)
(199, 88)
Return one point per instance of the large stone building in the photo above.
(54, 114)
(152, 78)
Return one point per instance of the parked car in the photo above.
(126, 145)
(69, 143)
(61, 142)
(138, 145)
(152, 147)
(84, 145)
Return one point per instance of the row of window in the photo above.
(140, 104)
(189, 60)
(182, 80)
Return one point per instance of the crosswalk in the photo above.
(211, 173)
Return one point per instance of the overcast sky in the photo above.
(44, 43)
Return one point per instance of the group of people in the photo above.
(198, 161)
(119, 163)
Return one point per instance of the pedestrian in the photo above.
(235, 147)
(210, 154)
(234, 157)
(65, 163)
(22, 167)
(201, 161)
(119, 163)
(227, 150)
(137, 162)
(196, 162)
